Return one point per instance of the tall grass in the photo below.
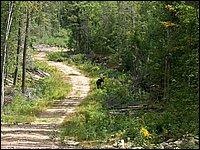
(24, 109)
(94, 121)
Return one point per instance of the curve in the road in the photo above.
(42, 133)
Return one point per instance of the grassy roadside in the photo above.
(24, 109)
(95, 122)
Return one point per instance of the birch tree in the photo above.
(59, 17)
(7, 31)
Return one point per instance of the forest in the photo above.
(147, 52)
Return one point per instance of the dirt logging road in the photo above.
(43, 133)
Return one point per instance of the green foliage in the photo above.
(15, 119)
(151, 42)
(56, 57)
(44, 67)
(94, 112)
(92, 122)
(87, 122)
(180, 116)
(58, 91)
(23, 107)
(55, 41)
(77, 59)
(93, 119)
(115, 92)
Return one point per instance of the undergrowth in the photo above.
(94, 120)
(24, 109)
(58, 39)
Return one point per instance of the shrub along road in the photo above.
(43, 133)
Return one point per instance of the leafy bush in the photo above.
(44, 96)
(59, 39)
(77, 59)
(93, 119)
(58, 91)
(57, 56)
(171, 122)
(93, 122)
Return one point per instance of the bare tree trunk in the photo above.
(59, 17)
(132, 12)
(166, 76)
(167, 69)
(8, 24)
(79, 32)
(119, 25)
(18, 53)
(123, 16)
(189, 55)
(24, 53)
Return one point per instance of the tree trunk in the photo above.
(8, 24)
(18, 53)
(166, 78)
(59, 17)
(189, 57)
(167, 68)
(119, 25)
(24, 53)
(79, 32)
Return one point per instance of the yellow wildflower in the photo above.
(170, 8)
(167, 24)
(145, 132)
